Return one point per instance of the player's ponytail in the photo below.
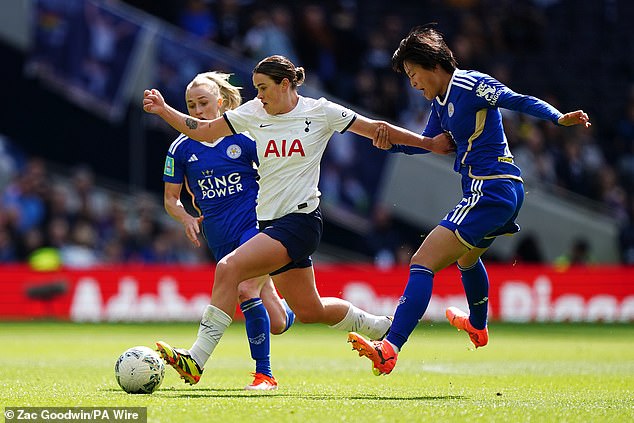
(300, 75)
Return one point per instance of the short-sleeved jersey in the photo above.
(290, 147)
(470, 112)
(222, 181)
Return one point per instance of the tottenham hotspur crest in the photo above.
(234, 151)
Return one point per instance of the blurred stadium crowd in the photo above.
(84, 223)
(558, 50)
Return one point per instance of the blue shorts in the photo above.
(219, 251)
(300, 233)
(488, 209)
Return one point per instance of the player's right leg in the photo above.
(476, 286)
(493, 214)
(181, 361)
(258, 256)
(189, 363)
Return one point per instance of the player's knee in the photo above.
(222, 271)
(226, 272)
(227, 264)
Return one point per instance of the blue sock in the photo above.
(258, 327)
(412, 305)
(290, 316)
(476, 287)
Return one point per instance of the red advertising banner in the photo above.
(177, 293)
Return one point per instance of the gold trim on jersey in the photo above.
(480, 120)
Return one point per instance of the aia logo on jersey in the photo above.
(284, 148)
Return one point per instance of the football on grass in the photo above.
(139, 370)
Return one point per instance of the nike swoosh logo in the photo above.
(264, 125)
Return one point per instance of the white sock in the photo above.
(367, 324)
(212, 327)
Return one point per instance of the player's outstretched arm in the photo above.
(196, 129)
(578, 117)
(396, 135)
(440, 144)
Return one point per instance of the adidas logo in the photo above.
(193, 158)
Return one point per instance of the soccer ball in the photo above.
(139, 370)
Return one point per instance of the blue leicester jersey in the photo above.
(222, 180)
(470, 112)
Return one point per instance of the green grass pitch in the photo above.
(536, 373)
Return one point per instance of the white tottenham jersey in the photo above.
(290, 147)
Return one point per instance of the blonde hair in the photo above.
(219, 85)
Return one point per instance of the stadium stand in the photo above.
(568, 52)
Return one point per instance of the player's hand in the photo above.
(153, 101)
(192, 229)
(443, 144)
(381, 137)
(578, 117)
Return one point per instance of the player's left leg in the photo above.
(281, 315)
(300, 234)
(297, 285)
(439, 249)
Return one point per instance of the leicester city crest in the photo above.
(234, 151)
